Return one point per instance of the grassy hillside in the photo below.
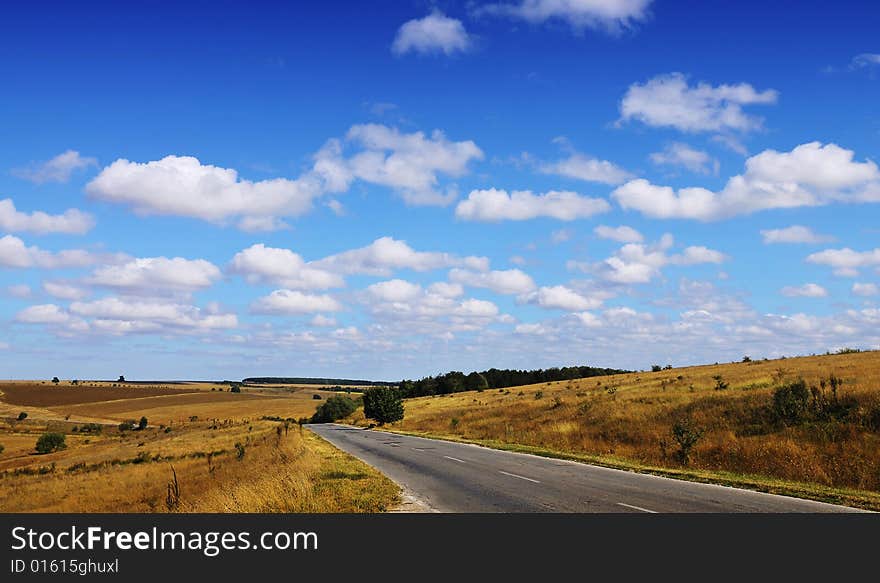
(751, 423)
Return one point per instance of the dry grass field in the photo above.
(831, 452)
(225, 451)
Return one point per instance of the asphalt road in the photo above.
(455, 477)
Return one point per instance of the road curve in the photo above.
(458, 477)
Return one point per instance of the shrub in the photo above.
(142, 424)
(235, 389)
(316, 397)
(383, 404)
(539, 395)
(22, 416)
(127, 425)
(49, 442)
(686, 434)
(333, 409)
(791, 402)
(239, 451)
(1, 448)
(454, 422)
(720, 383)
(656, 368)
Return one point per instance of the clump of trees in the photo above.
(383, 405)
(456, 381)
(333, 409)
(127, 425)
(49, 442)
(795, 402)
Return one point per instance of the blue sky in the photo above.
(396, 189)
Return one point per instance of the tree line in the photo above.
(456, 382)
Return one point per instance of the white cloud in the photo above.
(292, 302)
(20, 290)
(586, 168)
(865, 289)
(561, 236)
(262, 224)
(560, 297)
(121, 315)
(65, 291)
(72, 221)
(622, 234)
(143, 276)
(446, 289)
(260, 264)
(58, 169)
(408, 163)
(808, 290)
(14, 253)
(183, 186)
(321, 321)
(385, 255)
(865, 60)
(682, 155)
(609, 15)
(521, 205)
(43, 314)
(435, 33)
(846, 262)
(395, 290)
(668, 101)
(810, 175)
(794, 234)
(510, 281)
(636, 263)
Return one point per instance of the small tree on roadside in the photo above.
(686, 434)
(383, 404)
(49, 442)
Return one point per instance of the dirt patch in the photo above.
(34, 395)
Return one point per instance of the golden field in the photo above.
(626, 421)
(227, 457)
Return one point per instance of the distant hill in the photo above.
(314, 381)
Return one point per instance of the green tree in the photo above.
(235, 389)
(22, 416)
(127, 425)
(142, 424)
(56, 380)
(121, 379)
(383, 404)
(333, 409)
(686, 434)
(49, 442)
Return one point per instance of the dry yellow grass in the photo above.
(626, 420)
(284, 468)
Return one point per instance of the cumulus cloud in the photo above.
(385, 255)
(808, 290)
(560, 297)
(183, 186)
(148, 275)
(408, 163)
(65, 291)
(846, 262)
(259, 264)
(520, 205)
(865, 60)
(433, 34)
(43, 314)
(58, 169)
(15, 254)
(287, 302)
(609, 15)
(395, 290)
(810, 175)
(865, 289)
(71, 221)
(636, 263)
(621, 234)
(669, 101)
(586, 168)
(683, 156)
(510, 281)
(794, 234)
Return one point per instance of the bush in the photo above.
(1, 448)
(316, 397)
(686, 435)
(383, 404)
(239, 451)
(49, 442)
(142, 424)
(22, 416)
(720, 383)
(791, 402)
(127, 425)
(656, 368)
(235, 389)
(333, 409)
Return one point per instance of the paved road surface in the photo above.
(457, 477)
